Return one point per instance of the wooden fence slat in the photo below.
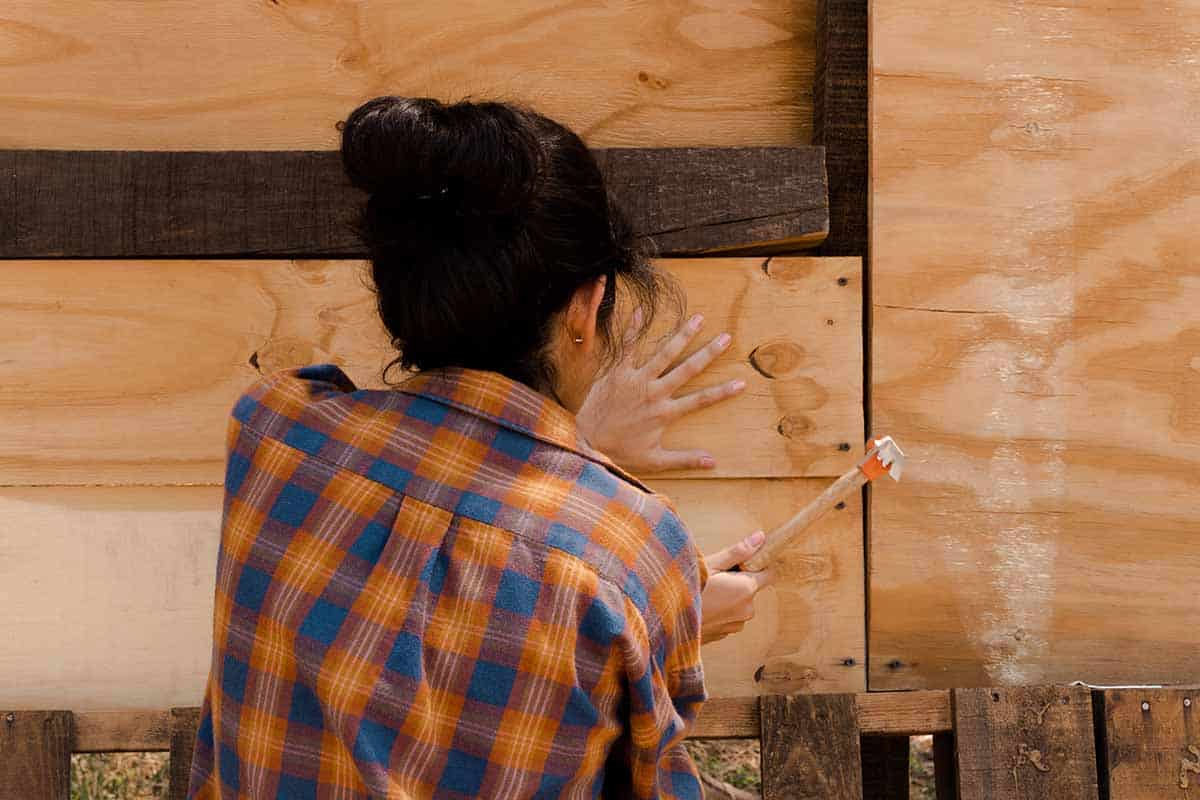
(286, 204)
(885, 767)
(810, 747)
(35, 755)
(1022, 742)
(945, 773)
(184, 722)
(1151, 743)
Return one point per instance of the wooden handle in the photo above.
(782, 536)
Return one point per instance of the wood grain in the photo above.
(269, 204)
(124, 372)
(806, 634)
(810, 748)
(122, 731)
(88, 74)
(109, 593)
(35, 755)
(1152, 743)
(185, 723)
(1035, 342)
(1023, 742)
(840, 121)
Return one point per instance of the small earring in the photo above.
(578, 340)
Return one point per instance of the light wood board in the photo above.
(124, 372)
(109, 593)
(1036, 342)
(278, 75)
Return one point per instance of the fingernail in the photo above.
(637, 317)
(708, 462)
(695, 321)
(757, 539)
(739, 385)
(723, 340)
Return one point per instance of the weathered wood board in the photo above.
(810, 748)
(124, 372)
(1036, 342)
(1025, 742)
(277, 75)
(286, 204)
(109, 593)
(1152, 743)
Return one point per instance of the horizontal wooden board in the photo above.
(277, 75)
(132, 204)
(807, 633)
(124, 372)
(109, 593)
(879, 713)
(1036, 343)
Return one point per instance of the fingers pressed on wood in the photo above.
(684, 459)
(678, 342)
(703, 398)
(696, 363)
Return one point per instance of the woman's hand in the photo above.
(628, 409)
(727, 602)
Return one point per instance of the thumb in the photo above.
(735, 553)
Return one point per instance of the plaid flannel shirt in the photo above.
(442, 591)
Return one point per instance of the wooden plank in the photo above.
(1152, 743)
(88, 74)
(184, 725)
(945, 772)
(1024, 742)
(281, 204)
(131, 571)
(1035, 343)
(904, 713)
(810, 747)
(35, 755)
(885, 767)
(879, 714)
(136, 364)
(840, 120)
(122, 731)
(806, 634)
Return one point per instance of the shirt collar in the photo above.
(511, 404)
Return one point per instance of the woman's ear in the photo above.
(583, 314)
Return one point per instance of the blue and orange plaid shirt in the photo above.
(441, 590)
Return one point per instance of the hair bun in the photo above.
(421, 159)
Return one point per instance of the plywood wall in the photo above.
(82, 74)
(117, 386)
(1036, 342)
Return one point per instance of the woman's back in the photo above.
(441, 590)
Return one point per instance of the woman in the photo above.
(445, 589)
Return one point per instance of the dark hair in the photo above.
(482, 221)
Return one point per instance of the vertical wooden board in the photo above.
(88, 74)
(35, 755)
(120, 372)
(108, 595)
(185, 723)
(1015, 743)
(885, 767)
(840, 120)
(810, 747)
(807, 632)
(1152, 743)
(945, 773)
(1035, 342)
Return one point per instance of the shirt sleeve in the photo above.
(666, 682)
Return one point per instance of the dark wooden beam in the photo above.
(810, 747)
(840, 121)
(289, 204)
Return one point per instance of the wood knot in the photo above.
(790, 426)
(776, 359)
